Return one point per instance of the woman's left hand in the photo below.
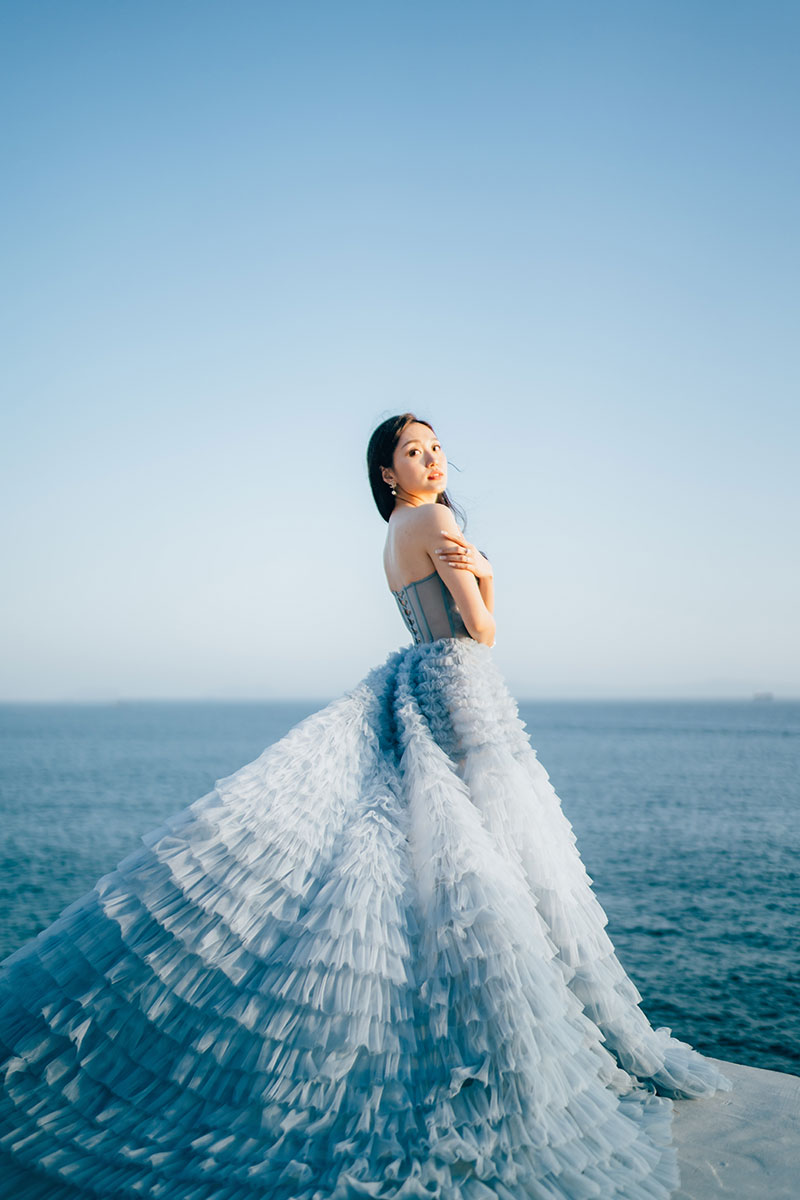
(465, 556)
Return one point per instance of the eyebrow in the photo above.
(417, 441)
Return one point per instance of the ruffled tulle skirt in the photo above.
(368, 964)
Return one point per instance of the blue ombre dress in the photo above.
(367, 964)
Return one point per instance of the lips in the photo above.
(435, 475)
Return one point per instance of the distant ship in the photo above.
(763, 696)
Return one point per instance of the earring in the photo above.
(392, 488)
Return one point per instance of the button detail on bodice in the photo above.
(429, 610)
(402, 600)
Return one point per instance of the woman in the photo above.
(368, 964)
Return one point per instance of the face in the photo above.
(419, 467)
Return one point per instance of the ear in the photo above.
(387, 478)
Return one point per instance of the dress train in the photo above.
(367, 964)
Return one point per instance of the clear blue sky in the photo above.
(236, 235)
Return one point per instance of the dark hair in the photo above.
(380, 453)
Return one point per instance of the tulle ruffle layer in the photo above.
(368, 964)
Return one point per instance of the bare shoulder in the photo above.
(433, 518)
(415, 535)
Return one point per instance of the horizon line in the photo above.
(758, 697)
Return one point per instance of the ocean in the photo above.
(686, 815)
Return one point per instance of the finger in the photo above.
(458, 538)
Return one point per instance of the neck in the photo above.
(412, 501)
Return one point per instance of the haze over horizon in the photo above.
(236, 237)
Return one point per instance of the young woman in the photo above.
(368, 964)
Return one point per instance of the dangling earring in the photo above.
(392, 488)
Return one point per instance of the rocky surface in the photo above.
(744, 1144)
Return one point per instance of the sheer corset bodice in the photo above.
(429, 610)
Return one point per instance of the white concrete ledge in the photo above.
(744, 1144)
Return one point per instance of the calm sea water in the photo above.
(686, 815)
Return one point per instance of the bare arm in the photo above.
(486, 589)
(439, 529)
(466, 557)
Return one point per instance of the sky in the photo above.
(238, 235)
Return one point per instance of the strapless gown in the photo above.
(367, 964)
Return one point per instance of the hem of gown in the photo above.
(368, 963)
